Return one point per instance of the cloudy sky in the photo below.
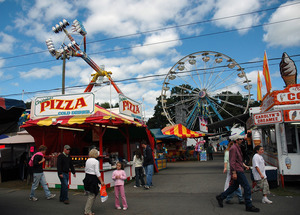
(137, 38)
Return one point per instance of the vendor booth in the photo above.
(162, 144)
(182, 132)
(278, 125)
(100, 128)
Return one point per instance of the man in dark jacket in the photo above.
(38, 174)
(237, 175)
(148, 164)
(64, 164)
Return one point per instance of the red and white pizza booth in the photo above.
(278, 127)
(76, 121)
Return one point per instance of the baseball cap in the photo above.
(67, 147)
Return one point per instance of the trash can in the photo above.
(272, 176)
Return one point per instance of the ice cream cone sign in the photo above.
(288, 70)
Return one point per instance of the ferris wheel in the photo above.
(205, 86)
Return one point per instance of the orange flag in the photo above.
(259, 85)
(267, 73)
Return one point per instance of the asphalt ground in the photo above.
(186, 187)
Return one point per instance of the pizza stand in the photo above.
(277, 124)
(98, 127)
(76, 120)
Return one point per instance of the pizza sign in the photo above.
(64, 105)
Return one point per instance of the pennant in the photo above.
(259, 85)
(266, 73)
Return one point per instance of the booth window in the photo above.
(292, 137)
(269, 139)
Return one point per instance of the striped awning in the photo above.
(100, 116)
(181, 131)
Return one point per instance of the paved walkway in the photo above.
(182, 188)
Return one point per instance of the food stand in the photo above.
(278, 123)
(99, 128)
(182, 132)
(162, 141)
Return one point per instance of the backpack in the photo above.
(30, 163)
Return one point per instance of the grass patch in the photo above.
(279, 191)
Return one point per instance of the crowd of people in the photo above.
(144, 163)
(234, 166)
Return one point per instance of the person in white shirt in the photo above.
(259, 174)
(92, 180)
(138, 160)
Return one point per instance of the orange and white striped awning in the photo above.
(181, 131)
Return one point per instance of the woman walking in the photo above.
(92, 180)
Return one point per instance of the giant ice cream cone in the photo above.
(288, 70)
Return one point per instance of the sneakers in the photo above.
(266, 200)
(146, 187)
(136, 186)
(252, 209)
(51, 196)
(119, 208)
(220, 200)
(124, 209)
(33, 199)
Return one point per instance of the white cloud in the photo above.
(285, 34)
(41, 73)
(161, 37)
(33, 22)
(6, 43)
(130, 16)
(227, 8)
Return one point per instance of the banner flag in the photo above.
(259, 85)
(266, 73)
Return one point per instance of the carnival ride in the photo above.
(73, 50)
(202, 87)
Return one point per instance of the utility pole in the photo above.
(63, 74)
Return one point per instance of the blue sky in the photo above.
(242, 30)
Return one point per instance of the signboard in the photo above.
(64, 105)
(290, 95)
(130, 107)
(291, 115)
(267, 118)
(267, 103)
(203, 124)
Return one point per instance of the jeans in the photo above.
(139, 175)
(64, 187)
(39, 178)
(241, 180)
(238, 192)
(149, 173)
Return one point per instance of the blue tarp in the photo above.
(160, 136)
(10, 112)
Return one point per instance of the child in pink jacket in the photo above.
(119, 176)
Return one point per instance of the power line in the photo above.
(162, 29)
(130, 80)
(166, 41)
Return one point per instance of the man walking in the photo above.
(148, 164)
(64, 164)
(237, 175)
(38, 174)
